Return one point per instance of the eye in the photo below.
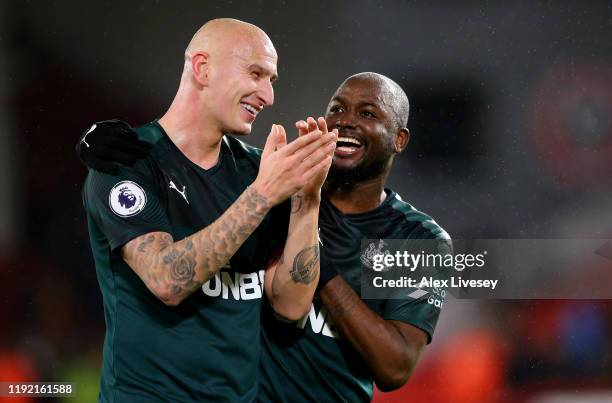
(335, 109)
(256, 75)
(368, 114)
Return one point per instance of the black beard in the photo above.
(347, 177)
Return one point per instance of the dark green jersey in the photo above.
(308, 360)
(207, 347)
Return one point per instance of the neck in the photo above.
(192, 130)
(358, 197)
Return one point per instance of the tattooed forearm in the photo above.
(182, 268)
(228, 232)
(304, 265)
(149, 239)
(173, 270)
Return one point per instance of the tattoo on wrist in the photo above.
(255, 202)
(297, 203)
(304, 264)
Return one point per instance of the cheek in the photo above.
(386, 134)
(381, 139)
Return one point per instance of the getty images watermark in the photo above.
(487, 269)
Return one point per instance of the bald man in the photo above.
(181, 239)
(346, 344)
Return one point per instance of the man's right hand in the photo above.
(313, 187)
(287, 168)
(108, 143)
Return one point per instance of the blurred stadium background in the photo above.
(511, 116)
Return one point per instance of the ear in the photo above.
(401, 139)
(200, 66)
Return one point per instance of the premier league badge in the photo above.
(127, 199)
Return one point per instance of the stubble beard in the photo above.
(347, 178)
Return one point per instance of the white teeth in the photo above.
(349, 140)
(250, 108)
(347, 150)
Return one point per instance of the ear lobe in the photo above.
(401, 140)
(200, 66)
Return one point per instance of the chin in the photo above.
(345, 164)
(242, 130)
(350, 172)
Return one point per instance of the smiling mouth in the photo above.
(250, 109)
(347, 145)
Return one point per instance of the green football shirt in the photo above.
(308, 360)
(207, 347)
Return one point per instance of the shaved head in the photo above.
(222, 34)
(228, 70)
(393, 96)
(370, 112)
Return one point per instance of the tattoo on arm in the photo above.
(297, 203)
(148, 240)
(304, 264)
(182, 267)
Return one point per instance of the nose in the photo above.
(265, 94)
(344, 122)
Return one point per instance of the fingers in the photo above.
(301, 142)
(322, 124)
(308, 128)
(318, 155)
(312, 124)
(318, 168)
(281, 137)
(302, 127)
(317, 149)
(270, 145)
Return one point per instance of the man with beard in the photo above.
(181, 239)
(346, 343)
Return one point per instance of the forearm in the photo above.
(383, 347)
(173, 270)
(297, 272)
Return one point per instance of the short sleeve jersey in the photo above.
(207, 347)
(308, 360)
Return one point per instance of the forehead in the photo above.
(358, 91)
(255, 51)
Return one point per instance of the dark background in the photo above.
(511, 121)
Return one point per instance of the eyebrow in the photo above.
(255, 66)
(360, 104)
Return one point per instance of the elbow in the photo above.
(291, 312)
(168, 298)
(298, 313)
(392, 378)
(171, 302)
(390, 383)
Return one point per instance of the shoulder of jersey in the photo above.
(149, 133)
(241, 149)
(412, 215)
